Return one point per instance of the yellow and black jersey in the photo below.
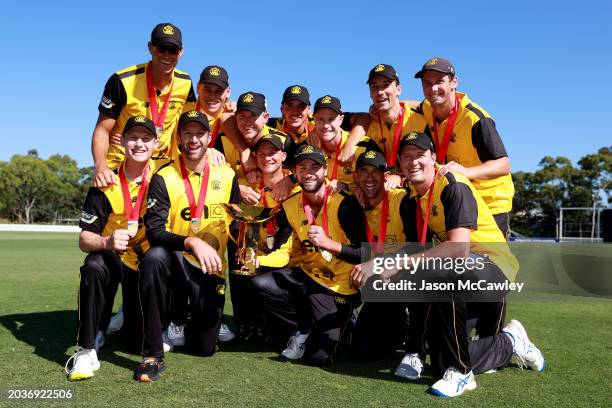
(457, 204)
(232, 154)
(401, 220)
(168, 219)
(104, 212)
(345, 225)
(383, 133)
(283, 252)
(474, 141)
(345, 173)
(279, 124)
(125, 95)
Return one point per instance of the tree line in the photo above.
(35, 190)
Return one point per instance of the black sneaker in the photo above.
(149, 369)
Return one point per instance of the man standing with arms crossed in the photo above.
(156, 90)
(186, 215)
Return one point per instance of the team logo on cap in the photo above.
(214, 71)
(193, 114)
(248, 98)
(168, 30)
(326, 99)
(140, 119)
(379, 67)
(370, 155)
(307, 149)
(411, 136)
(296, 90)
(431, 62)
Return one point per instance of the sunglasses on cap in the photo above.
(169, 48)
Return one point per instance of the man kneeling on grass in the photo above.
(450, 208)
(115, 240)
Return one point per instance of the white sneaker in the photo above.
(526, 352)
(411, 367)
(176, 334)
(453, 383)
(225, 334)
(295, 347)
(84, 365)
(99, 341)
(116, 322)
(167, 343)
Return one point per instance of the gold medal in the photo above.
(196, 225)
(270, 241)
(326, 255)
(132, 228)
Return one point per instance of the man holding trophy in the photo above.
(315, 299)
(261, 246)
(185, 215)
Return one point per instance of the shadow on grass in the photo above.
(52, 333)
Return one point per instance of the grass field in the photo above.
(38, 286)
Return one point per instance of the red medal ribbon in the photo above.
(399, 124)
(195, 209)
(270, 224)
(133, 213)
(420, 221)
(157, 116)
(309, 129)
(335, 167)
(310, 213)
(448, 131)
(382, 227)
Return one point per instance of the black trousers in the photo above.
(448, 332)
(383, 328)
(291, 300)
(101, 274)
(161, 270)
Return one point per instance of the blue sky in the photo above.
(542, 69)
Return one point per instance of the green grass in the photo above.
(38, 286)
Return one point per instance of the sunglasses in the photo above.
(170, 49)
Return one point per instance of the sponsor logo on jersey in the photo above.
(88, 218)
(106, 102)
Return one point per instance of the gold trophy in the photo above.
(251, 219)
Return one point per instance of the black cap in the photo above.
(214, 74)
(384, 70)
(306, 151)
(253, 102)
(421, 140)
(140, 120)
(372, 158)
(437, 64)
(193, 116)
(297, 92)
(166, 33)
(329, 102)
(274, 137)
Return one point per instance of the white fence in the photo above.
(38, 228)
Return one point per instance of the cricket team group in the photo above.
(172, 164)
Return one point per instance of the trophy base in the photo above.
(245, 272)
